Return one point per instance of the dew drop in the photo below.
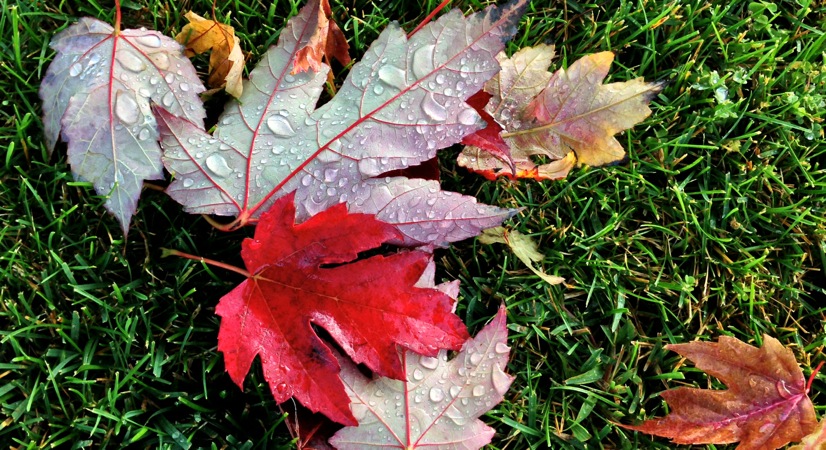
(131, 61)
(184, 87)
(168, 99)
(418, 375)
(433, 109)
(75, 69)
(169, 78)
(188, 182)
(501, 381)
(149, 40)
(161, 60)
(428, 362)
(94, 59)
(280, 126)
(393, 76)
(423, 61)
(154, 80)
(501, 347)
(475, 358)
(468, 116)
(378, 89)
(306, 180)
(218, 165)
(478, 390)
(440, 78)
(126, 108)
(144, 134)
(281, 388)
(437, 394)
(454, 391)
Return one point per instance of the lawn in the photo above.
(715, 225)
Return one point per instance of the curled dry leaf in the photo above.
(226, 62)
(310, 275)
(399, 105)
(438, 403)
(766, 405)
(568, 116)
(522, 246)
(96, 96)
(326, 40)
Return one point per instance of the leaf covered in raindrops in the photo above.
(568, 117)
(226, 60)
(310, 275)
(766, 405)
(398, 105)
(438, 403)
(96, 96)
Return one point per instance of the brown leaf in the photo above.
(226, 62)
(567, 116)
(814, 441)
(766, 405)
(327, 39)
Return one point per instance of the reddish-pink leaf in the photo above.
(97, 91)
(766, 405)
(438, 404)
(399, 105)
(568, 116)
(309, 275)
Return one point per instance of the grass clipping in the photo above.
(522, 246)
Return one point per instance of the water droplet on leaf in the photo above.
(218, 165)
(126, 108)
(280, 126)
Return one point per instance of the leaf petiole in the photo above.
(166, 252)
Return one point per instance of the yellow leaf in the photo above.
(522, 246)
(226, 62)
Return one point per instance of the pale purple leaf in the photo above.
(399, 105)
(438, 405)
(98, 90)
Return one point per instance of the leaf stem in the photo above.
(165, 252)
(429, 18)
(117, 17)
(813, 375)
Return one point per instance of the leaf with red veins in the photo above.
(438, 403)
(96, 96)
(569, 116)
(327, 39)
(766, 405)
(397, 107)
(309, 275)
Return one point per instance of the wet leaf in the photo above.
(397, 107)
(326, 40)
(568, 117)
(96, 96)
(766, 405)
(310, 275)
(226, 62)
(438, 404)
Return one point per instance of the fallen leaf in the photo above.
(397, 107)
(96, 96)
(522, 246)
(814, 441)
(327, 40)
(310, 275)
(766, 405)
(438, 403)
(226, 62)
(568, 117)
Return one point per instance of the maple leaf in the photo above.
(567, 116)
(397, 107)
(438, 404)
(96, 95)
(327, 39)
(226, 62)
(765, 406)
(308, 274)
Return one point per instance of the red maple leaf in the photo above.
(310, 275)
(766, 405)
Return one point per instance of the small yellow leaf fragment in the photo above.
(226, 62)
(522, 246)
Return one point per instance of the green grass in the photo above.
(716, 225)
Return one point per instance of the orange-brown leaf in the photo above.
(327, 39)
(226, 62)
(814, 441)
(766, 405)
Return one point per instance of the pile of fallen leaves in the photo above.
(326, 184)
